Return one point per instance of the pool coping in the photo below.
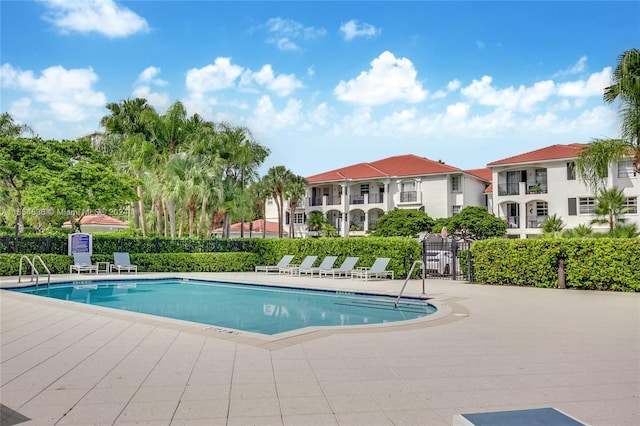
(448, 310)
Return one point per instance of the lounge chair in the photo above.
(276, 268)
(344, 269)
(307, 263)
(121, 263)
(325, 265)
(82, 263)
(377, 270)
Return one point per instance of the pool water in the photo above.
(255, 308)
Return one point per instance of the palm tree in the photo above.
(9, 128)
(580, 231)
(610, 208)
(277, 178)
(260, 191)
(316, 222)
(552, 225)
(295, 190)
(592, 162)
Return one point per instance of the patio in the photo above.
(490, 349)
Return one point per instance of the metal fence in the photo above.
(447, 259)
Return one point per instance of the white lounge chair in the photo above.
(344, 269)
(377, 270)
(325, 265)
(82, 263)
(307, 263)
(276, 268)
(121, 263)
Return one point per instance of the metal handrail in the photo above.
(36, 257)
(417, 262)
(33, 269)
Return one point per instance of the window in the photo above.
(455, 209)
(269, 200)
(542, 208)
(571, 170)
(364, 188)
(456, 183)
(573, 208)
(298, 217)
(587, 205)
(625, 169)
(631, 205)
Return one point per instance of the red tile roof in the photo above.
(485, 174)
(553, 152)
(272, 227)
(100, 219)
(401, 165)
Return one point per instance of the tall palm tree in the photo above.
(125, 121)
(277, 178)
(295, 190)
(610, 208)
(260, 191)
(624, 88)
(9, 128)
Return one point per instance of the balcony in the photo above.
(356, 199)
(408, 197)
(376, 198)
(509, 189)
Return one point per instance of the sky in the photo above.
(324, 85)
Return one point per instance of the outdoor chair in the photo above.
(121, 263)
(325, 265)
(284, 262)
(82, 263)
(377, 270)
(344, 269)
(293, 269)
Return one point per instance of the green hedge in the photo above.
(266, 252)
(166, 262)
(590, 263)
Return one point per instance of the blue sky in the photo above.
(327, 84)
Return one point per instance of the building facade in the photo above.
(353, 198)
(528, 188)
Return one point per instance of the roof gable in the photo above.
(553, 152)
(401, 165)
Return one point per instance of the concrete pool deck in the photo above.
(491, 348)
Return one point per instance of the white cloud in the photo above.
(353, 29)
(217, 76)
(480, 44)
(65, 94)
(286, 33)
(158, 100)
(390, 79)
(149, 76)
(521, 99)
(101, 16)
(453, 85)
(593, 86)
(282, 85)
(265, 115)
(577, 68)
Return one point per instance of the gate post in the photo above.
(454, 260)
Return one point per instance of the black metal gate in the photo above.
(447, 259)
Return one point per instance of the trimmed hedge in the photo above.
(590, 263)
(165, 262)
(266, 252)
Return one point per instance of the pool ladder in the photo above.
(34, 271)
(417, 262)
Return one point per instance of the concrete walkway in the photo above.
(490, 348)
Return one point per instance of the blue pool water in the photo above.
(254, 308)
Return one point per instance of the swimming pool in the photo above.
(248, 307)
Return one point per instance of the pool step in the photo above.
(386, 305)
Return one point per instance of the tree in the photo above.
(477, 223)
(277, 178)
(403, 223)
(610, 208)
(625, 88)
(259, 192)
(9, 128)
(295, 190)
(552, 225)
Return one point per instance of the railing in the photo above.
(409, 196)
(513, 222)
(315, 201)
(376, 198)
(334, 201)
(34, 271)
(356, 199)
(417, 262)
(509, 189)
